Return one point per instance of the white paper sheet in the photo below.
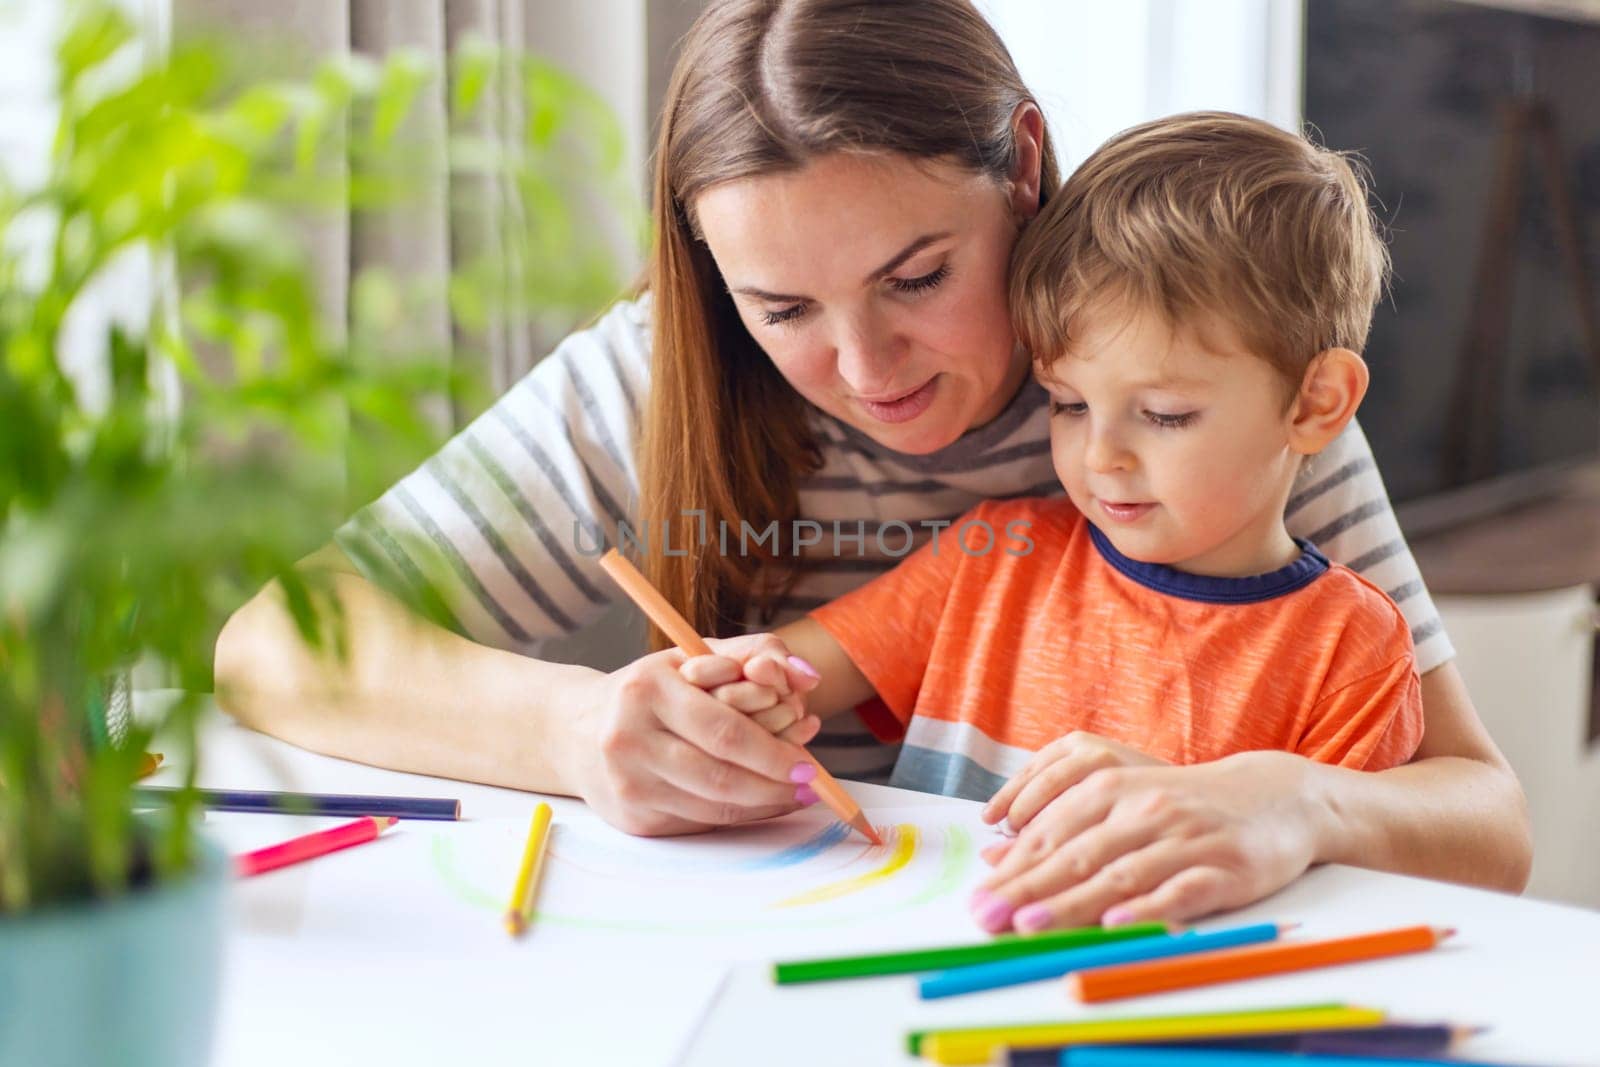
(295, 1002)
(794, 887)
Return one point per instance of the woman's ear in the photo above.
(1027, 133)
(1329, 395)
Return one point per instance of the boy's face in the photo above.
(1176, 445)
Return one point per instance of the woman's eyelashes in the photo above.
(788, 314)
(923, 282)
(1164, 419)
(909, 286)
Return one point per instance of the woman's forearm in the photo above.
(408, 695)
(1455, 819)
(1456, 812)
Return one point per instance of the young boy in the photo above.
(1195, 298)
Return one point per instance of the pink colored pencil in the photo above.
(310, 846)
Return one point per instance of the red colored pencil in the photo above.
(310, 846)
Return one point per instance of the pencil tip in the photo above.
(386, 821)
(514, 923)
(861, 823)
(1446, 931)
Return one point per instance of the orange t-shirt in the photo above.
(985, 656)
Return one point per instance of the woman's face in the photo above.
(877, 285)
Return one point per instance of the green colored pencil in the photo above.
(1004, 947)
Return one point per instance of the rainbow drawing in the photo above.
(815, 845)
(857, 886)
(905, 847)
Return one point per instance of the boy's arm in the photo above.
(843, 686)
(889, 626)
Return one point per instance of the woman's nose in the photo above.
(868, 356)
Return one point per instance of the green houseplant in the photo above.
(226, 432)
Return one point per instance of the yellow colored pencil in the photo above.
(981, 1045)
(520, 911)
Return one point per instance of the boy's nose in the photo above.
(1105, 454)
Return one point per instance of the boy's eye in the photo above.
(1061, 407)
(922, 283)
(1172, 421)
(788, 314)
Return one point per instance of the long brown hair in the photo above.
(762, 87)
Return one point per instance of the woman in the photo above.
(839, 185)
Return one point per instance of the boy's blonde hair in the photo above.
(1207, 213)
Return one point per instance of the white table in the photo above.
(1530, 970)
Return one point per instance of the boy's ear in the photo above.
(1329, 395)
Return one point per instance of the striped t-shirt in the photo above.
(1025, 624)
(507, 502)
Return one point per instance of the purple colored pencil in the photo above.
(1387, 1040)
(343, 804)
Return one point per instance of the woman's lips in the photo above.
(903, 408)
(1124, 512)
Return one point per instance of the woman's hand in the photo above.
(1139, 841)
(656, 754)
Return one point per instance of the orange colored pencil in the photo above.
(682, 634)
(310, 846)
(1234, 964)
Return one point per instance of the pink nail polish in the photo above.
(803, 667)
(993, 914)
(1031, 918)
(1117, 916)
(802, 772)
(804, 795)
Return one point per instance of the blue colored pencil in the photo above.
(1001, 973)
(347, 804)
(1132, 1056)
(1390, 1039)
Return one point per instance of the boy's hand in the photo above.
(757, 675)
(1136, 843)
(1053, 770)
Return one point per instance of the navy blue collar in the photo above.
(1169, 580)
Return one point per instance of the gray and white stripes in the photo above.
(488, 528)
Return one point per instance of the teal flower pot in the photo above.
(129, 982)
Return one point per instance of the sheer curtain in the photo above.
(622, 49)
(619, 48)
